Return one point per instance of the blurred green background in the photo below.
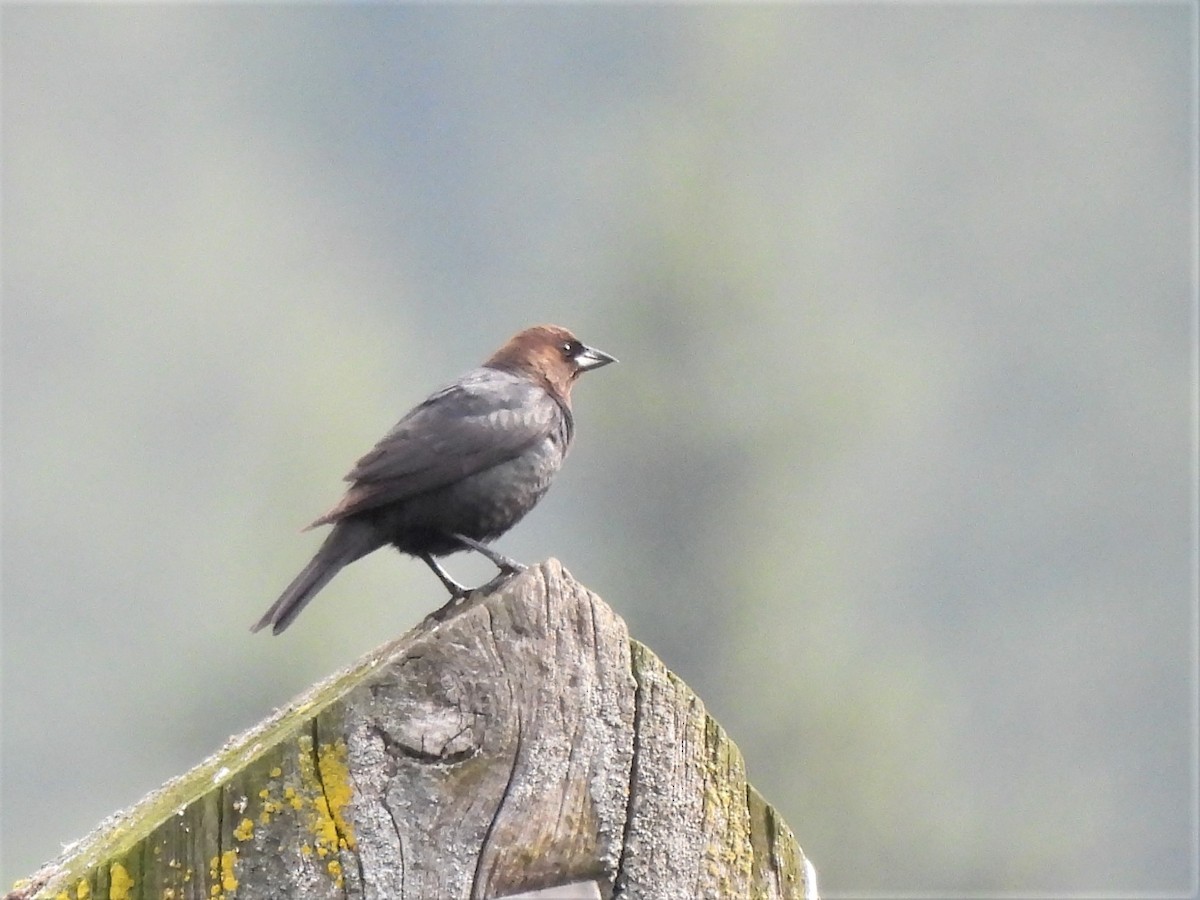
(896, 470)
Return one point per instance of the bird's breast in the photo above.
(496, 498)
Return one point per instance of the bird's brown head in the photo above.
(551, 355)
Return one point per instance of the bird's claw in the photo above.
(443, 612)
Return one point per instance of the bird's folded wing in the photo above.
(482, 420)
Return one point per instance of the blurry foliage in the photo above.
(890, 472)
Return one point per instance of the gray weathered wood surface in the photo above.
(523, 747)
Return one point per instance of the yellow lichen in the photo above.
(335, 776)
(83, 890)
(245, 830)
(290, 796)
(270, 807)
(221, 874)
(326, 781)
(276, 772)
(228, 862)
(119, 882)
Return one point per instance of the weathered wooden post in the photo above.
(523, 747)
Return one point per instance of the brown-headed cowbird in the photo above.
(459, 470)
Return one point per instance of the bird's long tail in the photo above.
(348, 541)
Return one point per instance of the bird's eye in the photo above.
(571, 348)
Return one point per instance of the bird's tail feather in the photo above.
(348, 541)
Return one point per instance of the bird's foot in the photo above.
(458, 592)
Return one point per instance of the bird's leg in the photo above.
(502, 562)
(457, 591)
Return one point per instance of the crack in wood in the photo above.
(395, 748)
(630, 795)
(477, 887)
(399, 843)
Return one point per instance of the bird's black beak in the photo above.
(591, 358)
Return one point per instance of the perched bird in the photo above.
(459, 470)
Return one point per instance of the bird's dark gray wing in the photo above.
(485, 418)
